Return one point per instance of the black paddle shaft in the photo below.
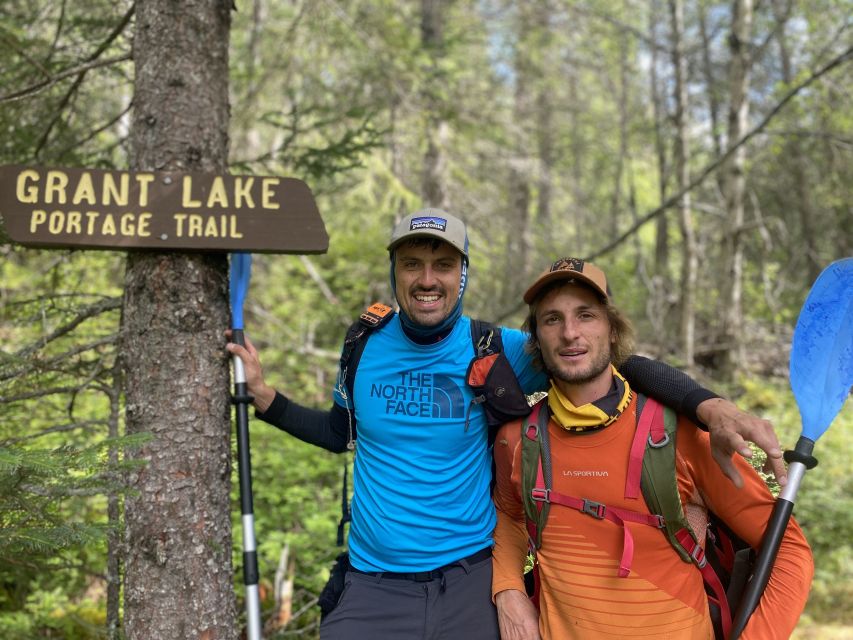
(800, 457)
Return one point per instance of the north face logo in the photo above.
(425, 395)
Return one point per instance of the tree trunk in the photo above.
(178, 526)
(795, 159)
(689, 263)
(710, 82)
(519, 197)
(735, 181)
(576, 102)
(434, 177)
(659, 303)
(623, 108)
(544, 121)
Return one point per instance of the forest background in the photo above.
(699, 151)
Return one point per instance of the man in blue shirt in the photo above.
(422, 515)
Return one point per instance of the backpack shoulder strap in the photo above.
(660, 490)
(371, 319)
(486, 338)
(374, 317)
(659, 484)
(536, 470)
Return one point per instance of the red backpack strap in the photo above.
(712, 580)
(650, 431)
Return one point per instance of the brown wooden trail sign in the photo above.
(98, 209)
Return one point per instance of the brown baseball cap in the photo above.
(570, 269)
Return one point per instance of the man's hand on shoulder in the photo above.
(517, 617)
(730, 428)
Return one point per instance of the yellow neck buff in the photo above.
(593, 415)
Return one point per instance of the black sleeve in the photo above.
(666, 384)
(326, 429)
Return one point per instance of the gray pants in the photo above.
(456, 605)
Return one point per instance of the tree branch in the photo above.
(49, 364)
(116, 32)
(62, 428)
(35, 88)
(88, 312)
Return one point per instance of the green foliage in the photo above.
(824, 505)
(51, 614)
(65, 81)
(58, 318)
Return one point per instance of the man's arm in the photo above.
(746, 512)
(517, 617)
(730, 428)
(326, 429)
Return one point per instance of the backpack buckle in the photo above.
(540, 495)
(661, 444)
(484, 344)
(661, 521)
(594, 509)
(375, 314)
(698, 556)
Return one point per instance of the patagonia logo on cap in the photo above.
(428, 222)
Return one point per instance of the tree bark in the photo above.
(544, 120)
(434, 176)
(735, 188)
(520, 170)
(795, 159)
(178, 580)
(689, 262)
(710, 82)
(661, 289)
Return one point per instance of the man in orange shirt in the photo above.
(590, 585)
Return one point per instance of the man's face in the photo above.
(427, 281)
(574, 334)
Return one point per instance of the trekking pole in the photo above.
(241, 268)
(821, 373)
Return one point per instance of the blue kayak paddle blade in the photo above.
(241, 269)
(821, 367)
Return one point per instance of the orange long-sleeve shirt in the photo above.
(581, 595)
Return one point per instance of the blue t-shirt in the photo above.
(421, 481)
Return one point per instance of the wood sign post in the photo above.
(98, 209)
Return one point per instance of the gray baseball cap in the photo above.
(431, 223)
